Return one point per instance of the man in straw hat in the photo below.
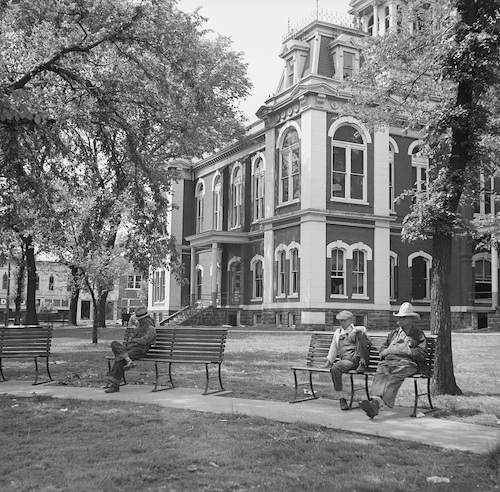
(351, 346)
(142, 338)
(403, 353)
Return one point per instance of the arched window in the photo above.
(420, 264)
(482, 276)
(358, 273)
(289, 172)
(218, 204)
(199, 283)
(258, 189)
(337, 272)
(294, 271)
(392, 195)
(51, 282)
(257, 268)
(236, 197)
(419, 167)
(393, 276)
(235, 281)
(281, 265)
(200, 205)
(348, 165)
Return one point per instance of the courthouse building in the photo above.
(300, 219)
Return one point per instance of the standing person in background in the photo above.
(403, 354)
(143, 337)
(351, 345)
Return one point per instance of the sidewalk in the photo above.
(395, 423)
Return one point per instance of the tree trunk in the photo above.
(75, 294)
(18, 297)
(31, 318)
(444, 376)
(103, 298)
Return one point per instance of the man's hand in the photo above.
(328, 365)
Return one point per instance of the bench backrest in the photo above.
(33, 341)
(187, 344)
(321, 341)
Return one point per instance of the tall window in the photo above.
(420, 272)
(218, 204)
(134, 281)
(235, 291)
(419, 167)
(393, 276)
(51, 282)
(159, 286)
(482, 278)
(5, 281)
(391, 178)
(200, 204)
(348, 65)
(387, 16)
(358, 272)
(258, 279)
(348, 165)
(486, 200)
(294, 271)
(281, 273)
(236, 197)
(370, 26)
(37, 282)
(258, 190)
(290, 72)
(290, 168)
(337, 275)
(199, 283)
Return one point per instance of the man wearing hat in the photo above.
(351, 346)
(403, 353)
(143, 337)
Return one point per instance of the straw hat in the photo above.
(344, 315)
(406, 310)
(141, 312)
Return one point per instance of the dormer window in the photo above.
(290, 72)
(348, 65)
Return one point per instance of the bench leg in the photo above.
(157, 379)
(37, 372)
(417, 395)
(353, 389)
(313, 393)
(207, 376)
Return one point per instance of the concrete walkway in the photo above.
(395, 423)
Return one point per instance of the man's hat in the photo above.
(344, 315)
(141, 312)
(405, 310)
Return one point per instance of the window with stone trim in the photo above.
(217, 225)
(337, 272)
(289, 168)
(294, 271)
(236, 197)
(358, 273)
(258, 189)
(200, 205)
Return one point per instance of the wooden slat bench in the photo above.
(26, 342)
(316, 360)
(184, 345)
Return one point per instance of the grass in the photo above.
(257, 365)
(58, 445)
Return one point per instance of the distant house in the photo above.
(300, 220)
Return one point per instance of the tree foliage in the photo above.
(437, 71)
(107, 94)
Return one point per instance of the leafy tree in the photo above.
(437, 71)
(117, 90)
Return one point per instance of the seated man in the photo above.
(142, 338)
(351, 346)
(403, 353)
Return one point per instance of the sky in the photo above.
(256, 28)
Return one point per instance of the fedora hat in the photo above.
(344, 315)
(406, 309)
(141, 312)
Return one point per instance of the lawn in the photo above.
(53, 444)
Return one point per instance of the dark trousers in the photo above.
(361, 353)
(121, 353)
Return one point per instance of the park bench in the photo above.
(316, 360)
(184, 345)
(26, 342)
(51, 318)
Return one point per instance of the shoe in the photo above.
(343, 404)
(114, 388)
(361, 367)
(129, 365)
(369, 407)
